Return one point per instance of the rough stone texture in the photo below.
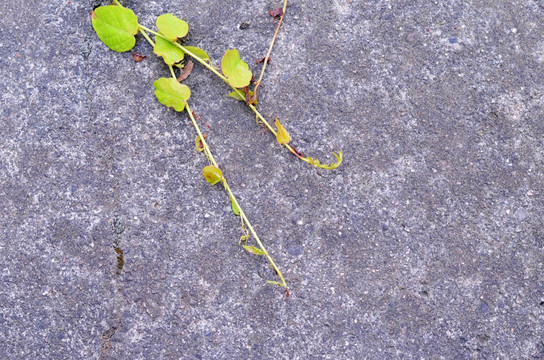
(426, 244)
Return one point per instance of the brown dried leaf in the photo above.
(138, 56)
(186, 71)
(276, 13)
(262, 60)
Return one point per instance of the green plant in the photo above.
(236, 73)
(117, 26)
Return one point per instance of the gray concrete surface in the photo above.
(426, 244)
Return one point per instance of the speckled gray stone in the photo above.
(427, 243)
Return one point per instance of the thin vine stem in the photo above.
(211, 159)
(233, 198)
(267, 57)
(172, 72)
(151, 42)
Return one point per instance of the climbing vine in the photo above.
(117, 27)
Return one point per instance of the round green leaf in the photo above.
(172, 27)
(212, 174)
(235, 69)
(168, 51)
(171, 93)
(198, 52)
(115, 26)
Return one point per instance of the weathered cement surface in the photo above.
(426, 244)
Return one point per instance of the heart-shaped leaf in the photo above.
(172, 27)
(212, 174)
(282, 135)
(171, 93)
(198, 52)
(235, 69)
(168, 51)
(115, 26)
(253, 250)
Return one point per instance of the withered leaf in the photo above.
(199, 144)
(138, 56)
(186, 71)
(262, 60)
(276, 13)
(282, 135)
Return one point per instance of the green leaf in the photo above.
(235, 69)
(198, 52)
(171, 93)
(274, 283)
(253, 250)
(115, 26)
(168, 51)
(172, 27)
(237, 96)
(235, 208)
(212, 174)
(282, 135)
